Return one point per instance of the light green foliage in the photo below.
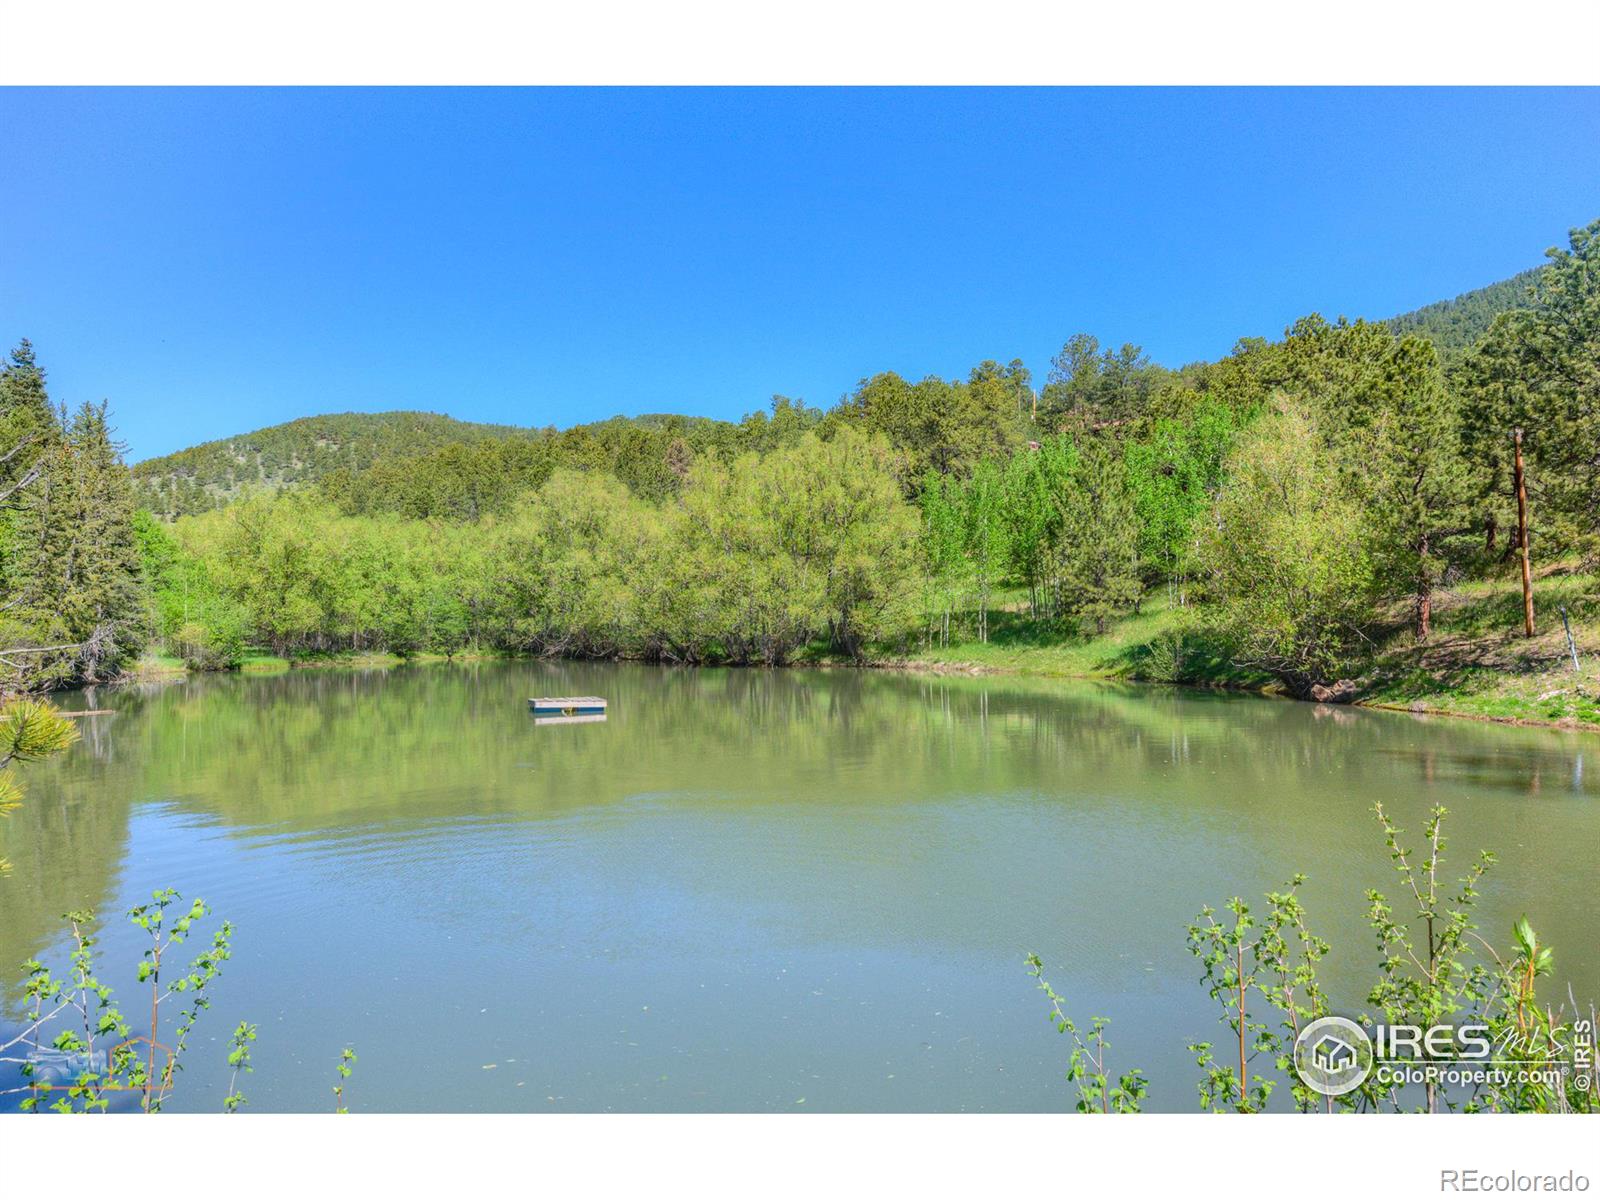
(750, 562)
(1263, 973)
(347, 1058)
(76, 1014)
(29, 730)
(1263, 977)
(1099, 537)
(422, 465)
(1425, 983)
(986, 536)
(192, 614)
(239, 1059)
(573, 566)
(1435, 968)
(302, 578)
(811, 541)
(1037, 485)
(944, 560)
(1287, 571)
(1293, 496)
(1174, 472)
(1086, 1065)
(79, 1016)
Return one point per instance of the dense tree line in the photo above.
(1299, 498)
(752, 560)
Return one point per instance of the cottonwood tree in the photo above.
(1285, 561)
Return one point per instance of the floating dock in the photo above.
(567, 706)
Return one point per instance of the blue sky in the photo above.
(214, 261)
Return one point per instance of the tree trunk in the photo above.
(1520, 480)
(1424, 594)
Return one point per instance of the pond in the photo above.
(749, 890)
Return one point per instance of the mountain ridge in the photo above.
(308, 449)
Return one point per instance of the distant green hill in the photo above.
(297, 452)
(1455, 325)
(311, 449)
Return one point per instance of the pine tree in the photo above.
(76, 559)
(30, 432)
(1417, 487)
(1538, 369)
(29, 426)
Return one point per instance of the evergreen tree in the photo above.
(1538, 369)
(77, 563)
(1099, 536)
(1416, 483)
(29, 426)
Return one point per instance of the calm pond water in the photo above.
(748, 890)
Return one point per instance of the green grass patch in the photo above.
(1158, 643)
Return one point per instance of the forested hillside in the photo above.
(1454, 326)
(1293, 507)
(424, 464)
(208, 475)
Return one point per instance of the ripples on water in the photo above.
(748, 889)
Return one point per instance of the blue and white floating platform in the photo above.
(567, 706)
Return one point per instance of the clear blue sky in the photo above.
(214, 261)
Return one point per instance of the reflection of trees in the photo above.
(314, 748)
(1207, 792)
(65, 844)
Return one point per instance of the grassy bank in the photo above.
(1479, 664)
(1476, 664)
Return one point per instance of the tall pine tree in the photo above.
(1416, 484)
(73, 610)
